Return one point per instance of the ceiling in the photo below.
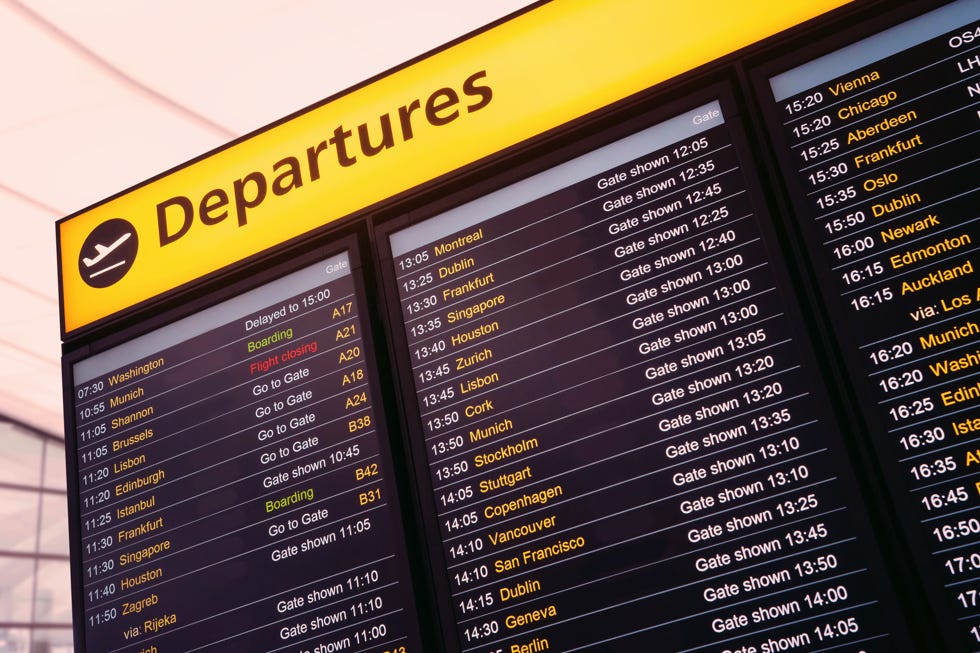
(100, 95)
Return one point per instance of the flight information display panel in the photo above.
(627, 444)
(233, 477)
(879, 142)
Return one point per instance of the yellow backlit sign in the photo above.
(539, 70)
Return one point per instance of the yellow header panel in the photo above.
(510, 83)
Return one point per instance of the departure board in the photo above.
(880, 143)
(626, 441)
(233, 479)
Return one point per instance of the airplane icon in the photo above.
(105, 251)
(113, 246)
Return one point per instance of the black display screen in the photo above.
(233, 476)
(879, 142)
(627, 444)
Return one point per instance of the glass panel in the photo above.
(15, 640)
(54, 524)
(55, 476)
(52, 640)
(53, 598)
(20, 456)
(18, 514)
(16, 582)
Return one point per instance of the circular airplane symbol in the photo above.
(108, 253)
